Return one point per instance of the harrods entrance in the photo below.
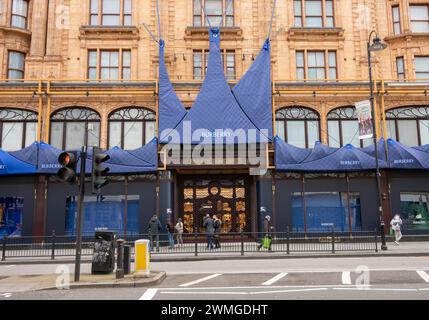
(226, 196)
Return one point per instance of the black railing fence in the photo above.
(196, 243)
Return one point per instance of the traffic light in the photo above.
(99, 171)
(68, 161)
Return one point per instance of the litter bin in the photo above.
(127, 259)
(103, 259)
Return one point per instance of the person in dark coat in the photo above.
(170, 230)
(209, 226)
(217, 223)
(154, 228)
(267, 232)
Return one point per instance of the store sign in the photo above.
(363, 110)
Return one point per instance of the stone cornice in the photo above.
(17, 32)
(202, 33)
(407, 36)
(316, 34)
(108, 32)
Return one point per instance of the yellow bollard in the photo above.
(142, 257)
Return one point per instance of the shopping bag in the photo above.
(266, 242)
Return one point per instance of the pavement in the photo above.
(398, 278)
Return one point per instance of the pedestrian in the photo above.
(179, 230)
(208, 225)
(154, 228)
(217, 223)
(396, 224)
(266, 241)
(170, 233)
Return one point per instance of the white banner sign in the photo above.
(363, 111)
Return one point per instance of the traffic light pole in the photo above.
(83, 156)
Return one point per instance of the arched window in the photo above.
(343, 128)
(298, 126)
(409, 125)
(18, 129)
(73, 128)
(131, 128)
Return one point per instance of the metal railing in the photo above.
(195, 244)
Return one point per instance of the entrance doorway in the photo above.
(226, 196)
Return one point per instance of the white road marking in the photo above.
(200, 280)
(274, 279)
(374, 289)
(204, 292)
(287, 291)
(6, 295)
(345, 278)
(423, 275)
(9, 266)
(149, 294)
(254, 287)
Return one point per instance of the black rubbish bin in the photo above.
(127, 259)
(103, 259)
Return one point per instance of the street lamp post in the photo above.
(377, 45)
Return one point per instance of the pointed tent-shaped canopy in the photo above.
(148, 153)
(254, 94)
(424, 148)
(319, 151)
(171, 110)
(404, 157)
(9, 165)
(29, 154)
(381, 148)
(345, 159)
(48, 159)
(216, 116)
(122, 161)
(288, 156)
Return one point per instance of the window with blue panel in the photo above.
(104, 212)
(325, 211)
(11, 210)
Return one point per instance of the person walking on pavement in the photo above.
(209, 226)
(217, 223)
(154, 228)
(396, 224)
(179, 230)
(170, 233)
(266, 241)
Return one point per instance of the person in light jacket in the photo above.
(179, 230)
(396, 224)
(267, 233)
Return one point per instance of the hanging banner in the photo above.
(363, 111)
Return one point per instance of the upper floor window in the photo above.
(18, 129)
(314, 13)
(131, 128)
(408, 125)
(396, 18)
(19, 14)
(110, 13)
(73, 128)
(316, 65)
(419, 18)
(217, 12)
(421, 67)
(109, 64)
(343, 128)
(400, 68)
(16, 65)
(298, 126)
(200, 61)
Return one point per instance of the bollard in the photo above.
(127, 259)
(3, 257)
(142, 257)
(376, 240)
(53, 245)
(120, 260)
